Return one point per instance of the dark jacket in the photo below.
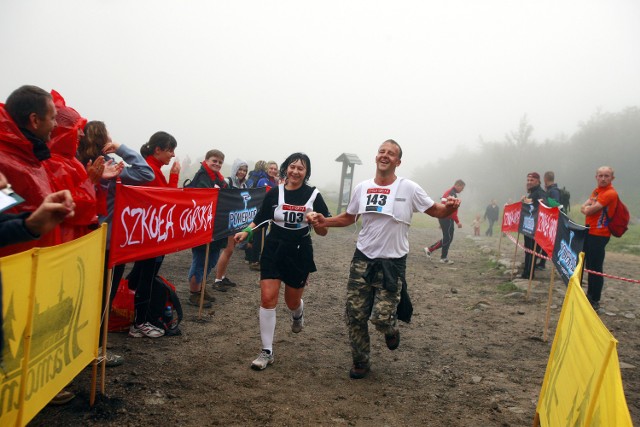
(202, 179)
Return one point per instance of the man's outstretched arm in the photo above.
(443, 210)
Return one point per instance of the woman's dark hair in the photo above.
(294, 158)
(91, 144)
(161, 140)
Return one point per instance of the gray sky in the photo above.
(262, 79)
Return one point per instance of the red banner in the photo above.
(151, 221)
(511, 217)
(547, 227)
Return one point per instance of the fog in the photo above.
(260, 80)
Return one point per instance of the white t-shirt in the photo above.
(386, 216)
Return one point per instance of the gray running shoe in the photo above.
(297, 323)
(264, 359)
(446, 261)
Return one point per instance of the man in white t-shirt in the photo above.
(386, 204)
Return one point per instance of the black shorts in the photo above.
(290, 262)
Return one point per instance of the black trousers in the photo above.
(594, 251)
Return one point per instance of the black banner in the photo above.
(236, 209)
(569, 243)
(528, 219)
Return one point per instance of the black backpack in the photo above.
(565, 199)
(165, 310)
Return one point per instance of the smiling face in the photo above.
(164, 156)
(272, 170)
(388, 157)
(296, 173)
(242, 173)
(214, 163)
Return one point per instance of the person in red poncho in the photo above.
(66, 172)
(157, 152)
(26, 121)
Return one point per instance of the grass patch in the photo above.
(629, 243)
(507, 287)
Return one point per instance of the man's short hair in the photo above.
(549, 176)
(459, 182)
(26, 100)
(214, 153)
(606, 167)
(391, 141)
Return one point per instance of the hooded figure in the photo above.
(66, 172)
(234, 181)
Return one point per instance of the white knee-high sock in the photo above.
(298, 311)
(267, 327)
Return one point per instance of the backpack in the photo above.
(619, 222)
(253, 179)
(163, 297)
(565, 198)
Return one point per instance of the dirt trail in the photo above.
(473, 354)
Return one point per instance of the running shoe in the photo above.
(297, 323)
(264, 359)
(359, 371)
(227, 282)
(393, 340)
(145, 330)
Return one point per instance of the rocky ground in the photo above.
(474, 353)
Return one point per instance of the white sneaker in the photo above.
(427, 252)
(145, 330)
(264, 359)
(445, 261)
(297, 323)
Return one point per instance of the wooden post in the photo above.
(515, 253)
(105, 330)
(546, 320)
(204, 280)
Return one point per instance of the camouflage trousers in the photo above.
(369, 301)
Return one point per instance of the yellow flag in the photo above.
(56, 325)
(582, 384)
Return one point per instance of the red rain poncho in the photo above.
(28, 177)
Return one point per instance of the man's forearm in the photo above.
(342, 220)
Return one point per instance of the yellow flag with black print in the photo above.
(582, 384)
(51, 300)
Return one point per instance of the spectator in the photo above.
(598, 209)
(535, 193)
(158, 152)
(491, 214)
(96, 147)
(26, 122)
(238, 179)
(270, 180)
(553, 199)
(208, 176)
(259, 171)
(476, 225)
(66, 172)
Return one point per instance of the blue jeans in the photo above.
(197, 263)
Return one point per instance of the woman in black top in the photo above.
(288, 254)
